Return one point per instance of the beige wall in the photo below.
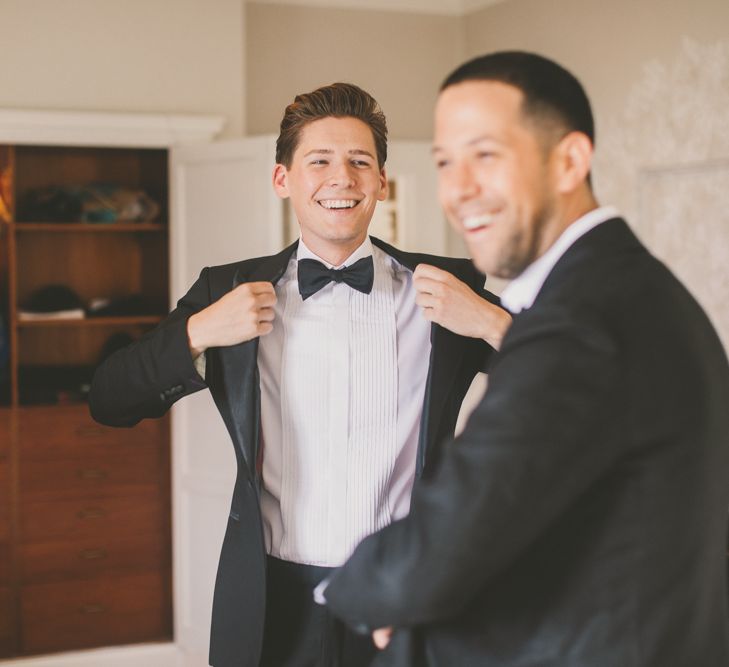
(400, 58)
(175, 56)
(606, 44)
(657, 72)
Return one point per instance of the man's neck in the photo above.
(331, 253)
(570, 210)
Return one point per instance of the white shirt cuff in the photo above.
(319, 597)
(200, 364)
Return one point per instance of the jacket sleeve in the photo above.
(537, 440)
(147, 377)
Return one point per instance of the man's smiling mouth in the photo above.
(338, 203)
(474, 222)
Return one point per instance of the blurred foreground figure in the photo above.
(580, 520)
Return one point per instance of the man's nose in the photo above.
(464, 184)
(342, 176)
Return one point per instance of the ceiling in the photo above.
(447, 7)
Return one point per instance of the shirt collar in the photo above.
(364, 250)
(521, 292)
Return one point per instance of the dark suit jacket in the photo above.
(146, 378)
(580, 519)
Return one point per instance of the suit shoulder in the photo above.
(233, 267)
(242, 267)
(456, 265)
(460, 267)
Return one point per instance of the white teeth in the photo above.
(338, 203)
(476, 221)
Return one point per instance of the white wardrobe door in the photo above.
(223, 210)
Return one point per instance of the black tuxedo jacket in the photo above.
(146, 378)
(580, 520)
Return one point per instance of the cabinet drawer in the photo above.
(91, 557)
(4, 500)
(105, 611)
(4, 563)
(6, 420)
(55, 432)
(126, 469)
(7, 626)
(97, 518)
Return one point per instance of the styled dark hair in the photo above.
(340, 100)
(553, 97)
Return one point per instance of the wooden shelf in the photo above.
(100, 227)
(92, 321)
(47, 436)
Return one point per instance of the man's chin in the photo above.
(494, 268)
(345, 234)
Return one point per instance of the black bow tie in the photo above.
(313, 275)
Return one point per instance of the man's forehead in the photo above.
(473, 101)
(478, 111)
(335, 134)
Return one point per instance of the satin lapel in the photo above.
(446, 353)
(239, 368)
(445, 360)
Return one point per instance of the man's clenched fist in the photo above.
(244, 313)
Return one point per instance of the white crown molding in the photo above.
(70, 128)
(444, 7)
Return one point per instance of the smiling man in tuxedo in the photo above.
(338, 365)
(580, 519)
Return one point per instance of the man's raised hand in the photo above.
(448, 301)
(244, 313)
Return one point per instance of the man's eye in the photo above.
(441, 164)
(485, 155)
(360, 163)
(319, 162)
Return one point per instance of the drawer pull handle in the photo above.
(92, 513)
(93, 554)
(89, 431)
(92, 609)
(92, 473)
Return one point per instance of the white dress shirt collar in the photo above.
(364, 250)
(521, 292)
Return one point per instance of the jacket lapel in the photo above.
(446, 351)
(238, 365)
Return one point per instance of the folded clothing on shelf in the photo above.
(51, 385)
(131, 304)
(52, 302)
(97, 202)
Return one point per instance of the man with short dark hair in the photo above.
(335, 389)
(580, 518)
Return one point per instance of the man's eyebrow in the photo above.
(361, 151)
(329, 151)
(318, 150)
(471, 142)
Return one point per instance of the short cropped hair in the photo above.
(338, 100)
(553, 97)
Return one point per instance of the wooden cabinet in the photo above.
(85, 555)
(95, 612)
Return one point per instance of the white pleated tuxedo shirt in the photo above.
(342, 379)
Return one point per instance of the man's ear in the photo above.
(384, 186)
(574, 160)
(281, 181)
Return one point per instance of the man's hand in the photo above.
(454, 305)
(242, 314)
(381, 637)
